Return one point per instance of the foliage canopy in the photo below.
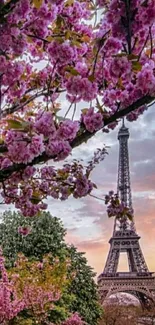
(47, 236)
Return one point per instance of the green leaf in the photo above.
(69, 3)
(17, 125)
(136, 66)
(72, 71)
(59, 21)
(91, 78)
(35, 199)
(84, 110)
(68, 34)
(49, 38)
(130, 217)
(94, 185)
(132, 57)
(76, 42)
(37, 3)
(119, 55)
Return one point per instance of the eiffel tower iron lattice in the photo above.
(138, 280)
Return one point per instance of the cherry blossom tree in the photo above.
(100, 55)
(29, 291)
(40, 284)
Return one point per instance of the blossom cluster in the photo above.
(43, 135)
(47, 181)
(49, 51)
(117, 209)
(16, 297)
(10, 304)
(74, 319)
(128, 67)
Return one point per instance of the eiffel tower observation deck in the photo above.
(138, 281)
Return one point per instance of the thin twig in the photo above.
(128, 16)
(101, 43)
(74, 111)
(9, 6)
(134, 44)
(1, 76)
(20, 106)
(68, 109)
(143, 47)
(151, 41)
(96, 197)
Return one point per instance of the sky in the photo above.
(88, 226)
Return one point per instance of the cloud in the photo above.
(95, 227)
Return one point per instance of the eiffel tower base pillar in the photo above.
(140, 286)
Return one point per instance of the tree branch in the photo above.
(8, 7)
(140, 102)
(128, 16)
(6, 173)
(151, 41)
(18, 106)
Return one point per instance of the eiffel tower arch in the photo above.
(138, 281)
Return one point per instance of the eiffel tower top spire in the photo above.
(123, 183)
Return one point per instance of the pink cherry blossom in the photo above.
(68, 130)
(58, 148)
(24, 231)
(44, 123)
(74, 319)
(82, 88)
(62, 53)
(92, 121)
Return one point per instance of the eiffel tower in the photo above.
(138, 281)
